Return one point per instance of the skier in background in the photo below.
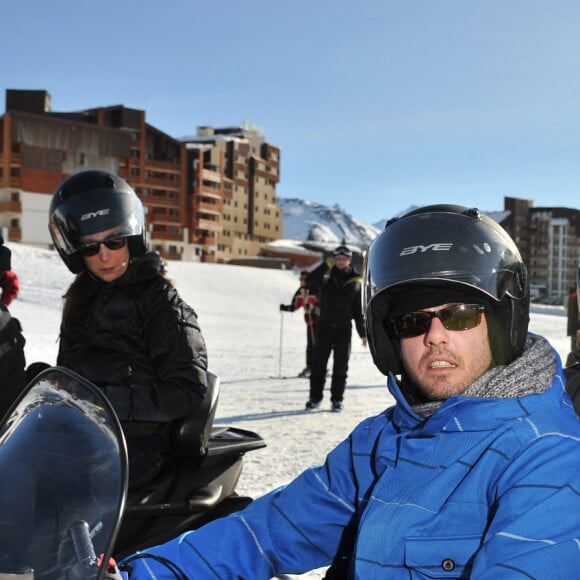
(307, 299)
(338, 286)
(12, 359)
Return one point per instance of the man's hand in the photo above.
(364, 341)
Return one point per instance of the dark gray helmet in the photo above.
(90, 202)
(440, 254)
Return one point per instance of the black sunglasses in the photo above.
(454, 317)
(92, 248)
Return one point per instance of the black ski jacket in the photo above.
(339, 297)
(138, 341)
(12, 360)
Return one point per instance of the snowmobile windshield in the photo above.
(440, 248)
(65, 464)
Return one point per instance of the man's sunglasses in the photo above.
(92, 248)
(454, 317)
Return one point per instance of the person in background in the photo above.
(12, 341)
(338, 287)
(305, 298)
(472, 473)
(124, 326)
(573, 323)
(10, 285)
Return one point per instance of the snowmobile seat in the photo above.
(191, 435)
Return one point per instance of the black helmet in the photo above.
(90, 202)
(342, 251)
(441, 254)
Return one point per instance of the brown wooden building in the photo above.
(189, 189)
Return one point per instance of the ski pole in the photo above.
(281, 335)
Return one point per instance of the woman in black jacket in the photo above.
(124, 326)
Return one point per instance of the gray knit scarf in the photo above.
(530, 373)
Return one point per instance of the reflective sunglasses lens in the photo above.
(90, 250)
(111, 243)
(115, 243)
(462, 317)
(412, 324)
(456, 317)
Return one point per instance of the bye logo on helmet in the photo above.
(440, 247)
(94, 214)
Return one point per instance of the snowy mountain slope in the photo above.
(307, 220)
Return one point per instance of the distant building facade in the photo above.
(191, 190)
(549, 240)
(235, 173)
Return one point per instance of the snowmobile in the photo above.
(66, 509)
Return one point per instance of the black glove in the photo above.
(285, 308)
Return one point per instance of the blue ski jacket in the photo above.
(484, 488)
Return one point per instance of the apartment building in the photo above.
(235, 173)
(549, 240)
(187, 188)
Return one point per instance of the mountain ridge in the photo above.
(306, 220)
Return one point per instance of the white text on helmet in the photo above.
(94, 214)
(440, 247)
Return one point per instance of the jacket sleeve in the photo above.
(315, 279)
(10, 287)
(278, 533)
(294, 303)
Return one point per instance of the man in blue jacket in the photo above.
(473, 473)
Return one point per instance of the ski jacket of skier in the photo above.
(304, 298)
(338, 295)
(12, 341)
(141, 344)
(477, 491)
(12, 359)
(10, 287)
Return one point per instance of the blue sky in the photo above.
(376, 104)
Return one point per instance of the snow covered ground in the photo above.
(253, 348)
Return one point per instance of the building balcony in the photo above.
(167, 236)
(211, 208)
(163, 182)
(158, 165)
(211, 193)
(10, 206)
(211, 175)
(161, 218)
(15, 234)
(209, 225)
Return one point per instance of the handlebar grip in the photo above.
(83, 545)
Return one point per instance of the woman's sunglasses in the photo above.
(454, 317)
(92, 248)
